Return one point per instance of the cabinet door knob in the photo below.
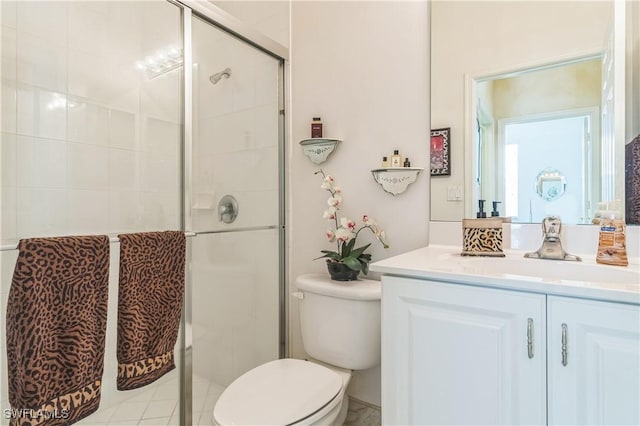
(530, 337)
(565, 359)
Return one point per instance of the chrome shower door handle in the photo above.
(227, 209)
(530, 337)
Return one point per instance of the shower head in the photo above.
(215, 78)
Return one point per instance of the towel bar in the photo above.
(111, 240)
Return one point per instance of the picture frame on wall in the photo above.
(439, 152)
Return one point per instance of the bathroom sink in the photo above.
(553, 271)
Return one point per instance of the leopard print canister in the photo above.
(56, 324)
(482, 237)
(151, 293)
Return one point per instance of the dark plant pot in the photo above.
(338, 271)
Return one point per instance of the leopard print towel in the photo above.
(56, 324)
(149, 305)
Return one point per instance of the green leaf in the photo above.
(352, 263)
(365, 268)
(359, 251)
(346, 248)
(330, 254)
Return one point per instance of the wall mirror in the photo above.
(526, 86)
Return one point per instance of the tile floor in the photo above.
(362, 414)
(157, 405)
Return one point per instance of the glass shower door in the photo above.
(91, 144)
(235, 209)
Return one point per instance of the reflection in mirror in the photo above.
(546, 118)
(550, 184)
(522, 80)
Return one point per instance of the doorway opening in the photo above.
(532, 145)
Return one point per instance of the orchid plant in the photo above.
(345, 233)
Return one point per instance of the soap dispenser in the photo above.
(481, 213)
(495, 212)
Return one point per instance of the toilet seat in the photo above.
(281, 392)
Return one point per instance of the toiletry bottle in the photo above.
(481, 213)
(316, 127)
(495, 212)
(406, 163)
(612, 249)
(597, 215)
(396, 160)
(385, 162)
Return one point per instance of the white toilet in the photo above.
(340, 326)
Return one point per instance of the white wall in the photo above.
(268, 17)
(363, 68)
(476, 38)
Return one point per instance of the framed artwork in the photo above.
(439, 152)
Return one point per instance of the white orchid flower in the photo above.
(331, 236)
(334, 201)
(381, 236)
(327, 182)
(368, 221)
(348, 224)
(329, 213)
(344, 235)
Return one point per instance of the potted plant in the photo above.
(347, 261)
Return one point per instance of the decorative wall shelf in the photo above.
(318, 149)
(395, 180)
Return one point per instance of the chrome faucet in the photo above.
(551, 245)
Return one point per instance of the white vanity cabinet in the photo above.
(465, 354)
(455, 354)
(593, 362)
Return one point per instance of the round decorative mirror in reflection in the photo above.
(550, 184)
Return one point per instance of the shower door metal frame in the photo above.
(220, 19)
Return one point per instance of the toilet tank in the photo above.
(340, 320)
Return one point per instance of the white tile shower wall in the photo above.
(74, 138)
(9, 102)
(89, 144)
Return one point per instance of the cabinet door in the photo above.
(455, 354)
(593, 362)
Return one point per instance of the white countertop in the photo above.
(586, 279)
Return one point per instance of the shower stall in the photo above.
(138, 116)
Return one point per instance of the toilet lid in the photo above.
(279, 392)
